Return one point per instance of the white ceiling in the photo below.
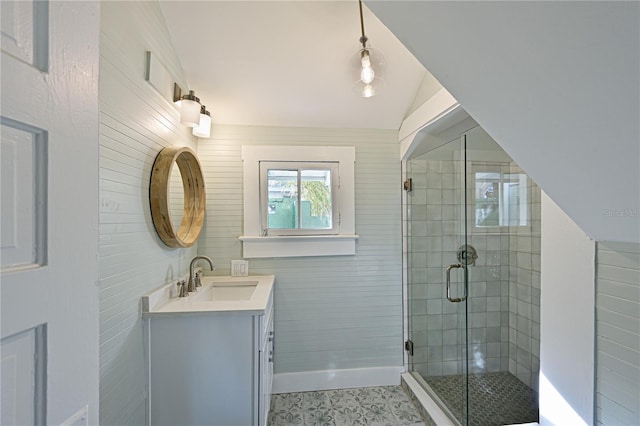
(289, 63)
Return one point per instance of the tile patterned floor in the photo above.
(374, 406)
(494, 398)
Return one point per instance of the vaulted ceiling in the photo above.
(289, 63)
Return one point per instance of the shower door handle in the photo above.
(456, 299)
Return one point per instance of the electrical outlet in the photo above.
(239, 268)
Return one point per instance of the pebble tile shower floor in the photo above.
(374, 406)
(494, 398)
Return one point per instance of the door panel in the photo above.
(24, 193)
(49, 213)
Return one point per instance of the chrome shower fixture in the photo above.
(467, 255)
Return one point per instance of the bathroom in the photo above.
(342, 314)
(332, 313)
(361, 291)
(340, 320)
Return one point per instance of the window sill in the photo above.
(298, 246)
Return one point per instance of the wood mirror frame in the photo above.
(194, 196)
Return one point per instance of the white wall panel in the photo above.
(336, 312)
(566, 320)
(136, 122)
(618, 334)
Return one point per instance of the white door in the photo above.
(49, 212)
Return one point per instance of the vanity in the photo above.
(210, 354)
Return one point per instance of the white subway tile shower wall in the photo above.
(524, 292)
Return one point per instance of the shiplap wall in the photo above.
(135, 124)
(335, 312)
(618, 334)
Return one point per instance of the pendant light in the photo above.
(203, 129)
(370, 65)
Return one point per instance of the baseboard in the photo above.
(336, 379)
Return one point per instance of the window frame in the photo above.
(503, 205)
(257, 245)
(299, 167)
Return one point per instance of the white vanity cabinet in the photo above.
(265, 368)
(210, 368)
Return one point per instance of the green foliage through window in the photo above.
(319, 195)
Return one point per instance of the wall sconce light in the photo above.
(203, 129)
(192, 113)
(370, 65)
(190, 110)
(189, 106)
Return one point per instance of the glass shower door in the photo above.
(438, 275)
(473, 241)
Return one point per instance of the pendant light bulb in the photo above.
(367, 75)
(368, 91)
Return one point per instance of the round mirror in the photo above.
(176, 197)
(174, 227)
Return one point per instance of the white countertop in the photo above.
(164, 300)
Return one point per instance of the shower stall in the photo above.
(472, 250)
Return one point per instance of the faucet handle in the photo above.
(182, 288)
(197, 278)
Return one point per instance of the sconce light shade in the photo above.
(192, 113)
(203, 129)
(190, 110)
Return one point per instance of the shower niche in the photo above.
(473, 277)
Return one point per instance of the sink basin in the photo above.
(226, 291)
(250, 294)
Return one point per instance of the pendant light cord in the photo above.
(363, 39)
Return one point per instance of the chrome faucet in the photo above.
(192, 281)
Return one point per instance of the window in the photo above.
(299, 198)
(298, 201)
(501, 199)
